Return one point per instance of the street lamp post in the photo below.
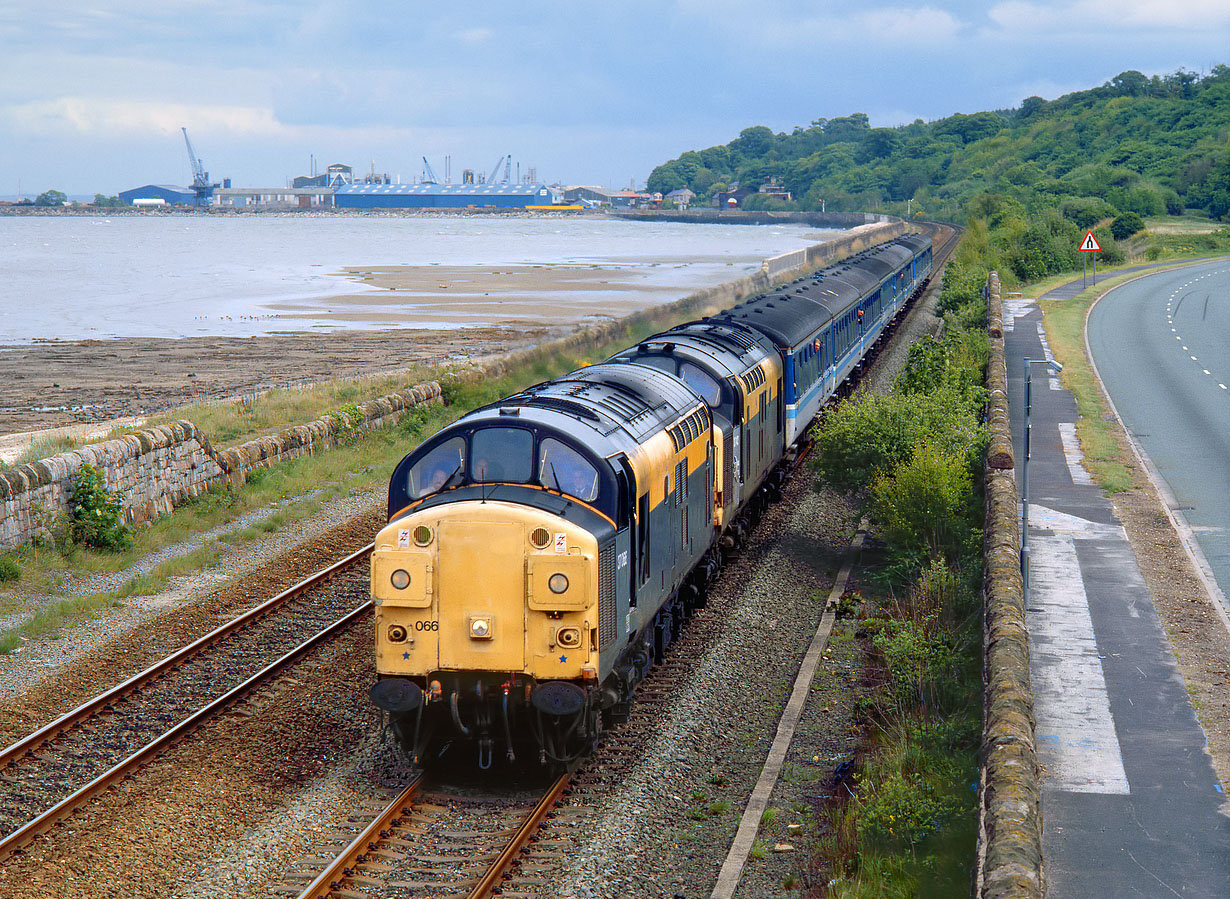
(1051, 363)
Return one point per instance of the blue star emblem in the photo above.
(563, 658)
(405, 655)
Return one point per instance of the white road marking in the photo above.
(1047, 519)
(1077, 743)
(1046, 347)
(1072, 453)
(1016, 307)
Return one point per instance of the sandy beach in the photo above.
(50, 384)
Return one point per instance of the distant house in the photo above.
(633, 199)
(682, 198)
(730, 199)
(772, 189)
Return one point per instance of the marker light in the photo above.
(400, 579)
(558, 583)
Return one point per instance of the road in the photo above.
(1162, 348)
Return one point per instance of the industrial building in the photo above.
(427, 195)
(274, 197)
(172, 196)
(618, 199)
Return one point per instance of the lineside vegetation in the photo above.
(903, 821)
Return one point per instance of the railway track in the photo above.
(67, 763)
(432, 841)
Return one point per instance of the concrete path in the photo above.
(1131, 804)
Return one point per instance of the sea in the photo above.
(91, 277)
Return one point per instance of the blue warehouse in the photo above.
(440, 196)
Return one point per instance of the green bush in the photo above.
(9, 570)
(869, 434)
(957, 361)
(1127, 224)
(97, 514)
(919, 657)
(924, 502)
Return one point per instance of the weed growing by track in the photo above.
(904, 818)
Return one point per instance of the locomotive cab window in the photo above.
(703, 383)
(501, 455)
(443, 466)
(565, 469)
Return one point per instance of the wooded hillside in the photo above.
(1136, 144)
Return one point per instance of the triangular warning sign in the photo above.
(1089, 244)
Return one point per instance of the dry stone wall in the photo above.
(159, 468)
(1010, 811)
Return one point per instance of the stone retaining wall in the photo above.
(1010, 810)
(159, 468)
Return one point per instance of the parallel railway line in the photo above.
(68, 762)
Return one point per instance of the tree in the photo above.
(752, 143)
(1130, 83)
(1126, 224)
(51, 198)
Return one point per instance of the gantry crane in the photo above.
(431, 175)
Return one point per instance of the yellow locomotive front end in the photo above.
(486, 612)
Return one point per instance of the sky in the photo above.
(93, 94)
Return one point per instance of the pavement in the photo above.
(1131, 804)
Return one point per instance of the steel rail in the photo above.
(69, 720)
(343, 866)
(487, 883)
(21, 837)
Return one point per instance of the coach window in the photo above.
(566, 470)
(501, 454)
(443, 466)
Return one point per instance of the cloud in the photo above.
(474, 36)
(91, 116)
(784, 27)
(1069, 16)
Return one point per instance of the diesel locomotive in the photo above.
(541, 553)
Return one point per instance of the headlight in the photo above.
(558, 583)
(397, 634)
(400, 579)
(480, 627)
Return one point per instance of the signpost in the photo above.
(1089, 245)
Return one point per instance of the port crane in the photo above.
(200, 178)
(431, 174)
(495, 172)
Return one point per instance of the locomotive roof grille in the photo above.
(558, 404)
